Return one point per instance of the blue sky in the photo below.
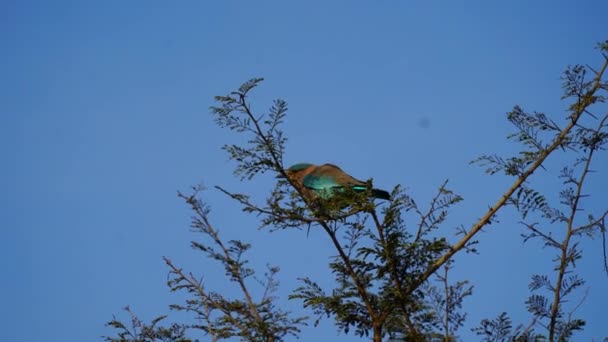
(105, 116)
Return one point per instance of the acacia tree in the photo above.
(392, 265)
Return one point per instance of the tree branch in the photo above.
(587, 100)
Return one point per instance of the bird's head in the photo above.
(296, 169)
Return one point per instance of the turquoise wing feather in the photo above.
(319, 182)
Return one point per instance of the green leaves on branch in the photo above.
(266, 144)
(388, 260)
(532, 130)
(219, 316)
(501, 329)
(142, 332)
(585, 133)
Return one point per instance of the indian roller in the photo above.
(323, 180)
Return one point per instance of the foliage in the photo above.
(587, 135)
(221, 317)
(141, 332)
(501, 329)
(387, 269)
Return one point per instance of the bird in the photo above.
(323, 180)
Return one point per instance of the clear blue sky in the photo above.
(104, 115)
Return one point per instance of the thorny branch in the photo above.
(586, 100)
(235, 270)
(566, 256)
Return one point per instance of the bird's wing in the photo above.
(319, 182)
(340, 177)
(328, 176)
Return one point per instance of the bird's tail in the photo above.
(377, 193)
(381, 194)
